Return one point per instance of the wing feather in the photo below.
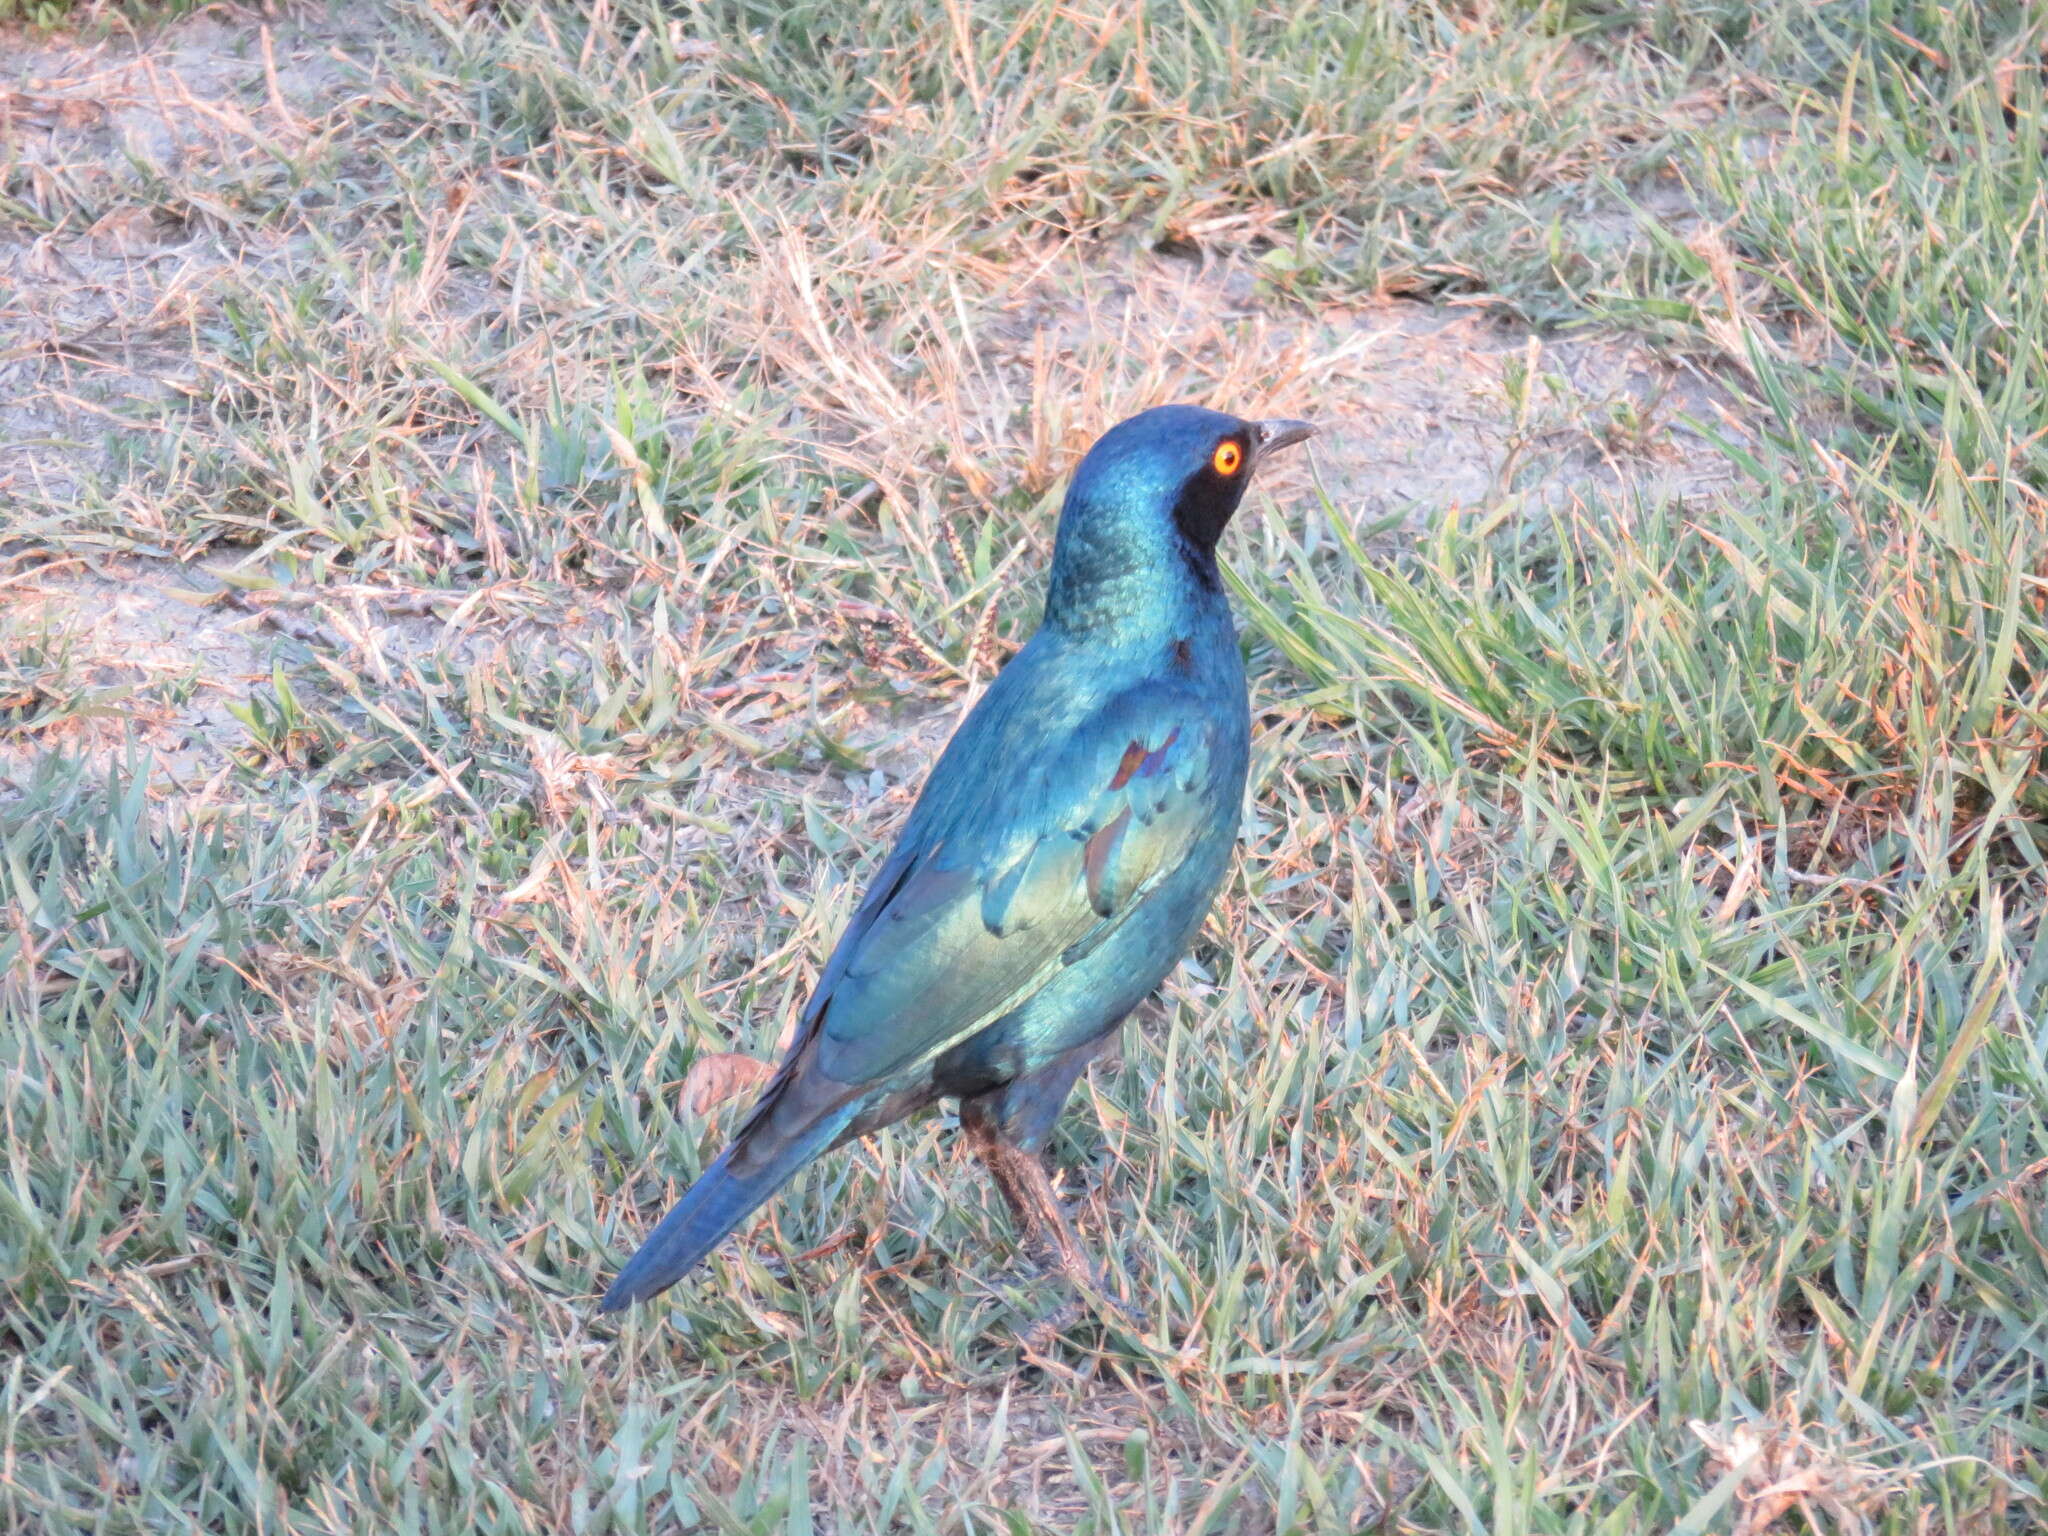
(968, 920)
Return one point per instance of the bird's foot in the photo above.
(1109, 1306)
(1039, 1338)
(1086, 1293)
(1043, 1336)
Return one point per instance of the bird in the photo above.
(1062, 855)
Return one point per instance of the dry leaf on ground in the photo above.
(720, 1075)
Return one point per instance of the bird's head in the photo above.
(1149, 503)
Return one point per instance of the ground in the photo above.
(500, 506)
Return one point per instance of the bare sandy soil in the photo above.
(103, 327)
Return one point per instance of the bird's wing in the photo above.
(976, 912)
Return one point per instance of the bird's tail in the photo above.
(725, 1194)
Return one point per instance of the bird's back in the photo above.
(1068, 844)
(1053, 689)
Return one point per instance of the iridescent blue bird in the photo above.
(1059, 861)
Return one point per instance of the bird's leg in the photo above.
(1035, 1208)
(1020, 1175)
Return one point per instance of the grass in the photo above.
(603, 448)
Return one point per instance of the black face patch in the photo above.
(1206, 503)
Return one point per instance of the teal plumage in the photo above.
(1060, 859)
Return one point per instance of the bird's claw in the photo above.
(1041, 1336)
(1086, 1293)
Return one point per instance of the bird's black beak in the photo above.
(1272, 436)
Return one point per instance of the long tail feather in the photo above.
(719, 1201)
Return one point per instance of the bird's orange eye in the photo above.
(1229, 459)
